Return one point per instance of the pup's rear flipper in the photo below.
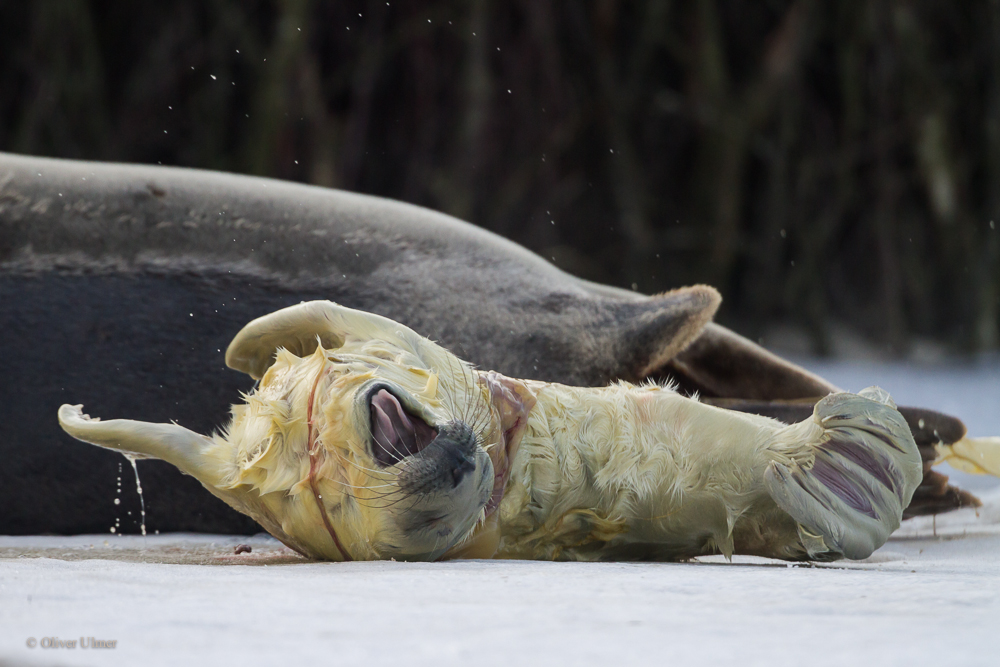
(866, 468)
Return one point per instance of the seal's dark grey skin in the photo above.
(121, 286)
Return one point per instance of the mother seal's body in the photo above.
(121, 285)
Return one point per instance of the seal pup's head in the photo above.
(363, 440)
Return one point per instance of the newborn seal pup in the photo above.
(364, 440)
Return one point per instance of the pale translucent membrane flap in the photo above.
(979, 456)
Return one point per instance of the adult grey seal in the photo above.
(122, 284)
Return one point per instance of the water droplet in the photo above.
(142, 502)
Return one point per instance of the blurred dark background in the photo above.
(825, 164)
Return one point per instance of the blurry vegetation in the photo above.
(817, 161)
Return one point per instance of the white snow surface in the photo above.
(930, 596)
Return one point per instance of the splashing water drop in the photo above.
(138, 488)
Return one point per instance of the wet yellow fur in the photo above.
(643, 472)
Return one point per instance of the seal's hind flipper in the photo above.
(723, 364)
(865, 469)
(939, 438)
(649, 333)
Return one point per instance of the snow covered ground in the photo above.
(931, 596)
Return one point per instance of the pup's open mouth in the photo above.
(396, 432)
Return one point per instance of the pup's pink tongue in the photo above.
(396, 434)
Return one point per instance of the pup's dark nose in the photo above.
(444, 463)
(459, 460)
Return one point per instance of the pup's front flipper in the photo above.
(172, 443)
(865, 469)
